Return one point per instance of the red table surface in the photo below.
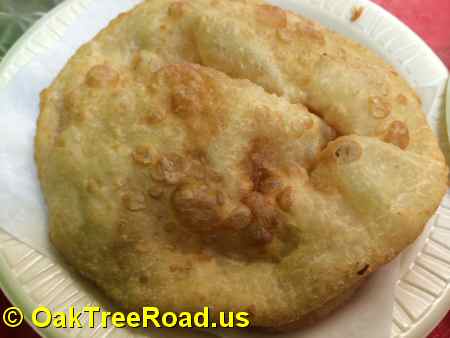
(431, 20)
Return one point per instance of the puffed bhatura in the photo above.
(234, 155)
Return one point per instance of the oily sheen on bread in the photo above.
(235, 155)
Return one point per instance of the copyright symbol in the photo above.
(12, 317)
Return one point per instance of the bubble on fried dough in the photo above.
(347, 152)
(397, 133)
(144, 155)
(285, 199)
(102, 76)
(170, 168)
(196, 205)
(379, 107)
(134, 201)
(155, 190)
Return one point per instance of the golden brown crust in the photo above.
(214, 184)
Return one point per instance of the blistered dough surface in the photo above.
(235, 155)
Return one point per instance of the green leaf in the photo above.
(16, 16)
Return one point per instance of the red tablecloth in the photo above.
(431, 20)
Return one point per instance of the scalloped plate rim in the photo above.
(17, 295)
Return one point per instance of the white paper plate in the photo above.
(423, 292)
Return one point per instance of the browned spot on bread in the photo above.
(144, 155)
(394, 72)
(154, 116)
(181, 268)
(204, 256)
(239, 218)
(265, 215)
(190, 92)
(220, 198)
(170, 227)
(60, 143)
(196, 206)
(286, 35)
(143, 279)
(260, 160)
(171, 168)
(311, 31)
(260, 165)
(347, 152)
(272, 16)
(379, 107)
(75, 114)
(195, 100)
(357, 12)
(397, 133)
(92, 186)
(285, 199)
(402, 99)
(73, 111)
(176, 9)
(268, 194)
(155, 190)
(144, 63)
(256, 202)
(102, 76)
(263, 235)
(134, 201)
(142, 246)
(302, 30)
